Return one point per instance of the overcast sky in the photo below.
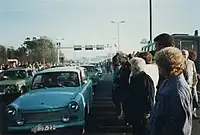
(88, 21)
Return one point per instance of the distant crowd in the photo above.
(35, 65)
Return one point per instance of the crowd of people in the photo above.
(36, 65)
(156, 95)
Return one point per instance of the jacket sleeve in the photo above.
(160, 115)
(116, 77)
(195, 79)
(149, 86)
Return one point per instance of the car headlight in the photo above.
(11, 110)
(74, 106)
(20, 122)
(11, 88)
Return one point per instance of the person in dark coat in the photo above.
(140, 97)
(123, 80)
(115, 84)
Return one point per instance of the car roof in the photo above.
(18, 68)
(60, 69)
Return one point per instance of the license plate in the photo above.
(43, 128)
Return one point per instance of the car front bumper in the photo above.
(58, 125)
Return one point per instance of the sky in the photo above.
(89, 21)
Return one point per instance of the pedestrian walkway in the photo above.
(103, 111)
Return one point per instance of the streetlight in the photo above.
(150, 20)
(118, 24)
(58, 49)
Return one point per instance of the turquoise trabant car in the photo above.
(59, 97)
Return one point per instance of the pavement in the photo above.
(104, 89)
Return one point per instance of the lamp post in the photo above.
(58, 49)
(118, 28)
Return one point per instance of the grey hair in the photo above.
(137, 65)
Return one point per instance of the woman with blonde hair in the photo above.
(172, 114)
(139, 97)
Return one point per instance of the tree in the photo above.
(32, 50)
(11, 53)
(42, 49)
(21, 53)
(3, 57)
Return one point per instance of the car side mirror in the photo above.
(97, 70)
(24, 89)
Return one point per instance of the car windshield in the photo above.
(89, 68)
(55, 79)
(14, 74)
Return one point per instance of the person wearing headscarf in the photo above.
(139, 97)
(172, 113)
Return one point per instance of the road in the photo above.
(104, 90)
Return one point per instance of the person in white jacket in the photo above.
(151, 68)
(191, 78)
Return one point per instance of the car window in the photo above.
(89, 68)
(56, 79)
(15, 74)
(86, 74)
(30, 73)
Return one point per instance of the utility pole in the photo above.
(150, 20)
(118, 30)
(58, 50)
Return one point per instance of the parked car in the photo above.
(59, 97)
(93, 73)
(14, 82)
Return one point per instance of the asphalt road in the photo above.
(104, 89)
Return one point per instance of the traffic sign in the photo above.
(89, 47)
(77, 47)
(100, 47)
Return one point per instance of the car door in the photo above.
(29, 77)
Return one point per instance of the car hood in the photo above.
(12, 82)
(46, 98)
